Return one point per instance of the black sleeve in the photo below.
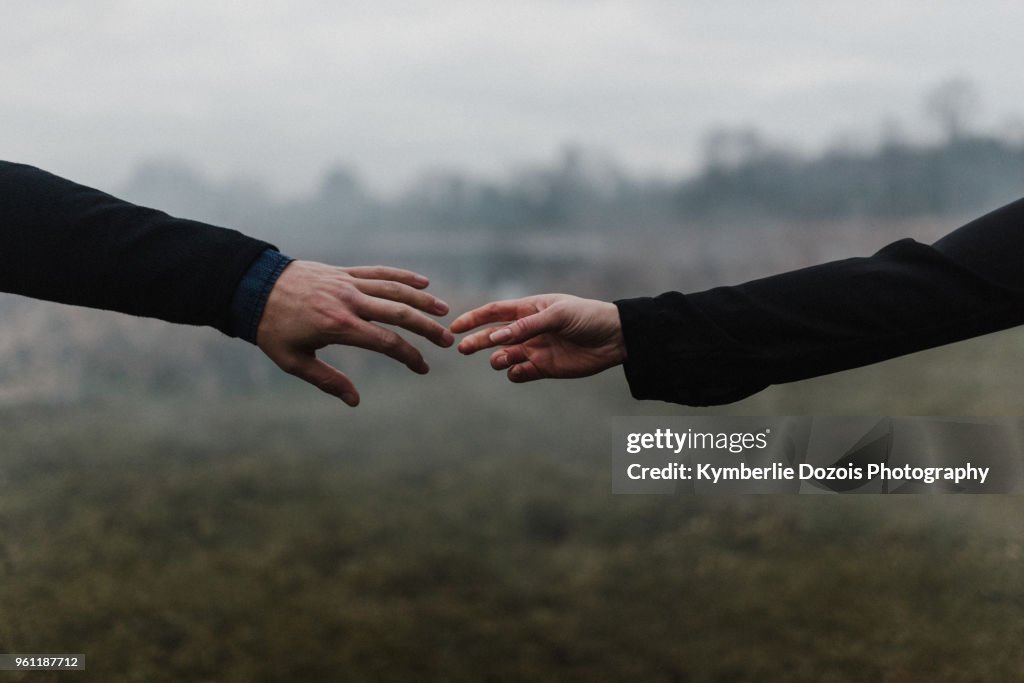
(69, 243)
(727, 343)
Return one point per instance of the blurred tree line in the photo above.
(743, 174)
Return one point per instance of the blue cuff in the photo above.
(252, 292)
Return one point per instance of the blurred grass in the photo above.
(458, 528)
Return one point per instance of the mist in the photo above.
(174, 507)
(280, 92)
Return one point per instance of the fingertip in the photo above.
(420, 281)
(350, 398)
(520, 373)
(444, 339)
(441, 307)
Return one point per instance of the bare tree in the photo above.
(952, 104)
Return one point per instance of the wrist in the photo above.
(253, 290)
(616, 342)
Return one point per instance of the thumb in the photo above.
(548, 320)
(324, 377)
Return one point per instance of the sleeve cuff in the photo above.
(675, 353)
(252, 292)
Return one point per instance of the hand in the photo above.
(313, 305)
(554, 335)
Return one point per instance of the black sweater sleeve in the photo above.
(727, 343)
(69, 243)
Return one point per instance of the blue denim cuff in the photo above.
(251, 294)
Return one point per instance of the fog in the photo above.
(281, 91)
(176, 508)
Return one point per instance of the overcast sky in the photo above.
(280, 90)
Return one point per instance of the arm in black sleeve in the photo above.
(65, 242)
(727, 343)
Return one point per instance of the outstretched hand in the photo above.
(548, 335)
(313, 305)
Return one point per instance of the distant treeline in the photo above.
(963, 175)
(742, 177)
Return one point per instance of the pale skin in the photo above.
(313, 305)
(545, 336)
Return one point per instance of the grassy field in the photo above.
(456, 528)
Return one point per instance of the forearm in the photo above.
(65, 242)
(724, 344)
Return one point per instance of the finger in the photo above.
(411, 278)
(405, 317)
(507, 357)
(494, 312)
(402, 293)
(477, 341)
(324, 377)
(524, 372)
(376, 338)
(548, 320)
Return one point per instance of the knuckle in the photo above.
(340, 321)
(403, 315)
(292, 366)
(349, 296)
(346, 292)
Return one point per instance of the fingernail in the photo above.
(349, 399)
(440, 306)
(502, 360)
(447, 338)
(501, 335)
(421, 280)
